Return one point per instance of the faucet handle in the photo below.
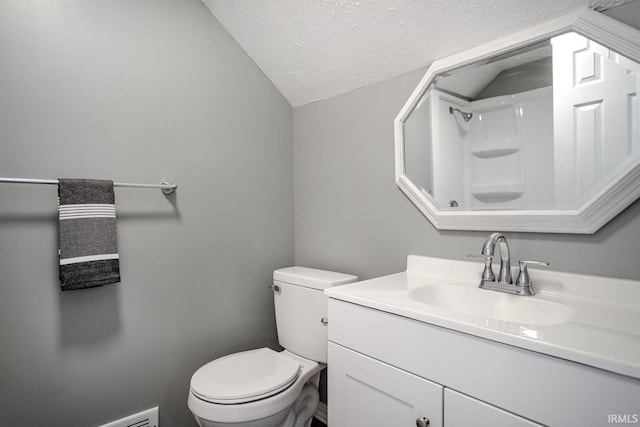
(487, 273)
(523, 279)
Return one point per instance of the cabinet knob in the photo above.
(422, 422)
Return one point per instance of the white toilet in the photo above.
(263, 387)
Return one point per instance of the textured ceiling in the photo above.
(316, 49)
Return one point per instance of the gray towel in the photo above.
(87, 227)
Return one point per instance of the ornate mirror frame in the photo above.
(593, 214)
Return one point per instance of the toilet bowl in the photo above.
(267, 388)
(271, 389)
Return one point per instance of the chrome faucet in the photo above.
(504, 282)
(488, 249)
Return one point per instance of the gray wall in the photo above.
(350, 216)
(135, 91)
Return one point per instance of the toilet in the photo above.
(267, 388)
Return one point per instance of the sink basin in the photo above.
(492, 305)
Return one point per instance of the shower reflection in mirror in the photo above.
(543, 127)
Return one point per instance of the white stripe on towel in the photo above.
(95, 215)
(87, 211)
(89, 206)
(88, 258)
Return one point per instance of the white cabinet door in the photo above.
(464, 411)
(366, 392)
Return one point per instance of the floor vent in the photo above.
(321, 412)
(148, 418)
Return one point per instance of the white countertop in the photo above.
(603, 330)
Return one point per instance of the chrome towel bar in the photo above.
(166, 187)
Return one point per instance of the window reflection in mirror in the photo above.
(542, 128)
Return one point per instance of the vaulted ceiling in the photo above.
(316, 49)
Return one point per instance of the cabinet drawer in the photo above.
(367, 392)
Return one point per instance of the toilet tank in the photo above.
(301, 306)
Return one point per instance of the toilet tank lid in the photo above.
(312, 277)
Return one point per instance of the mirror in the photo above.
(536, 132)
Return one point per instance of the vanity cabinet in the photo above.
(366, 392)
(388, 370)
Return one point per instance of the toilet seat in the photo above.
(245, 376)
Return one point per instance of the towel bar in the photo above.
(166, 186)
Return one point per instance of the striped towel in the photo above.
(87, 227)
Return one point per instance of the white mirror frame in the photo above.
(592, 215)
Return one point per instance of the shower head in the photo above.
(465, 116)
